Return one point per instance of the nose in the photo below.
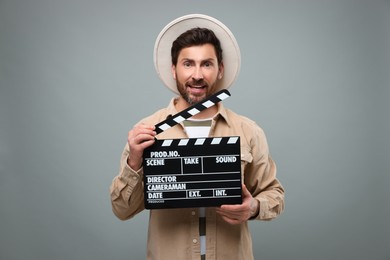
(197, 75)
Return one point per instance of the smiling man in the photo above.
(196, 68)
(204, 59)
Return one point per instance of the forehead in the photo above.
(198, 52)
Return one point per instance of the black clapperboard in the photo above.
(192, 172)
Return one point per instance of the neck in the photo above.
(182, 104)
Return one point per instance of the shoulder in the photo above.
(252, 135)
(243, 122)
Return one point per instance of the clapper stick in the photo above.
(192, 110)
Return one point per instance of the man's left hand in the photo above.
(237, 214)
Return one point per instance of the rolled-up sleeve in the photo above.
(126, 190)
(260, 177)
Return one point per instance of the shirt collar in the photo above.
(171, 110)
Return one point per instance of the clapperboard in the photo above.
(192, 172)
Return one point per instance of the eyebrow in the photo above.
(202, 61)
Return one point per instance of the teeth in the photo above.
(196, 86)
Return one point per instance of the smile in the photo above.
(198, 87)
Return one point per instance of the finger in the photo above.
(141, 131)
(140, 138)
(232, 218)
(144, 126)
(232, 221)
(231, 211)
(245, 191)
(146, 143)
(141, 142)
(228, 208)
(139, 134)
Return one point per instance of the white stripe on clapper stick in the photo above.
(216, 140)
(200, 141)
(167, 142)
(233, 140)
(183, 142)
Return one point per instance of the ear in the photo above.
(220, 70)
(173, 70)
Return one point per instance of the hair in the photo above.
(196, 37)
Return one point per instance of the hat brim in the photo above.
(230, 50)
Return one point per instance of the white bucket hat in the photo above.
(230, 51)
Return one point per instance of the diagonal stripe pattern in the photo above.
(192, 110)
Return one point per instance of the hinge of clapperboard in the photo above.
(192, 110)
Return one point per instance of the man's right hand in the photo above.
(139, 138)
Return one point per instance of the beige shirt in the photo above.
(174, 233)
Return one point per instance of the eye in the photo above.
(187, 64)
(208, 64)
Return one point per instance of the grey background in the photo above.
(76, 75)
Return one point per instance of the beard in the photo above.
(190, 98)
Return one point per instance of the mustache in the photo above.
(197, 82)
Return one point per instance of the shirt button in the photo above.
(135, 178)
(193, 213)
(194, 241)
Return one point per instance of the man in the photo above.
(204, 59)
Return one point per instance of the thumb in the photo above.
(245, 191)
